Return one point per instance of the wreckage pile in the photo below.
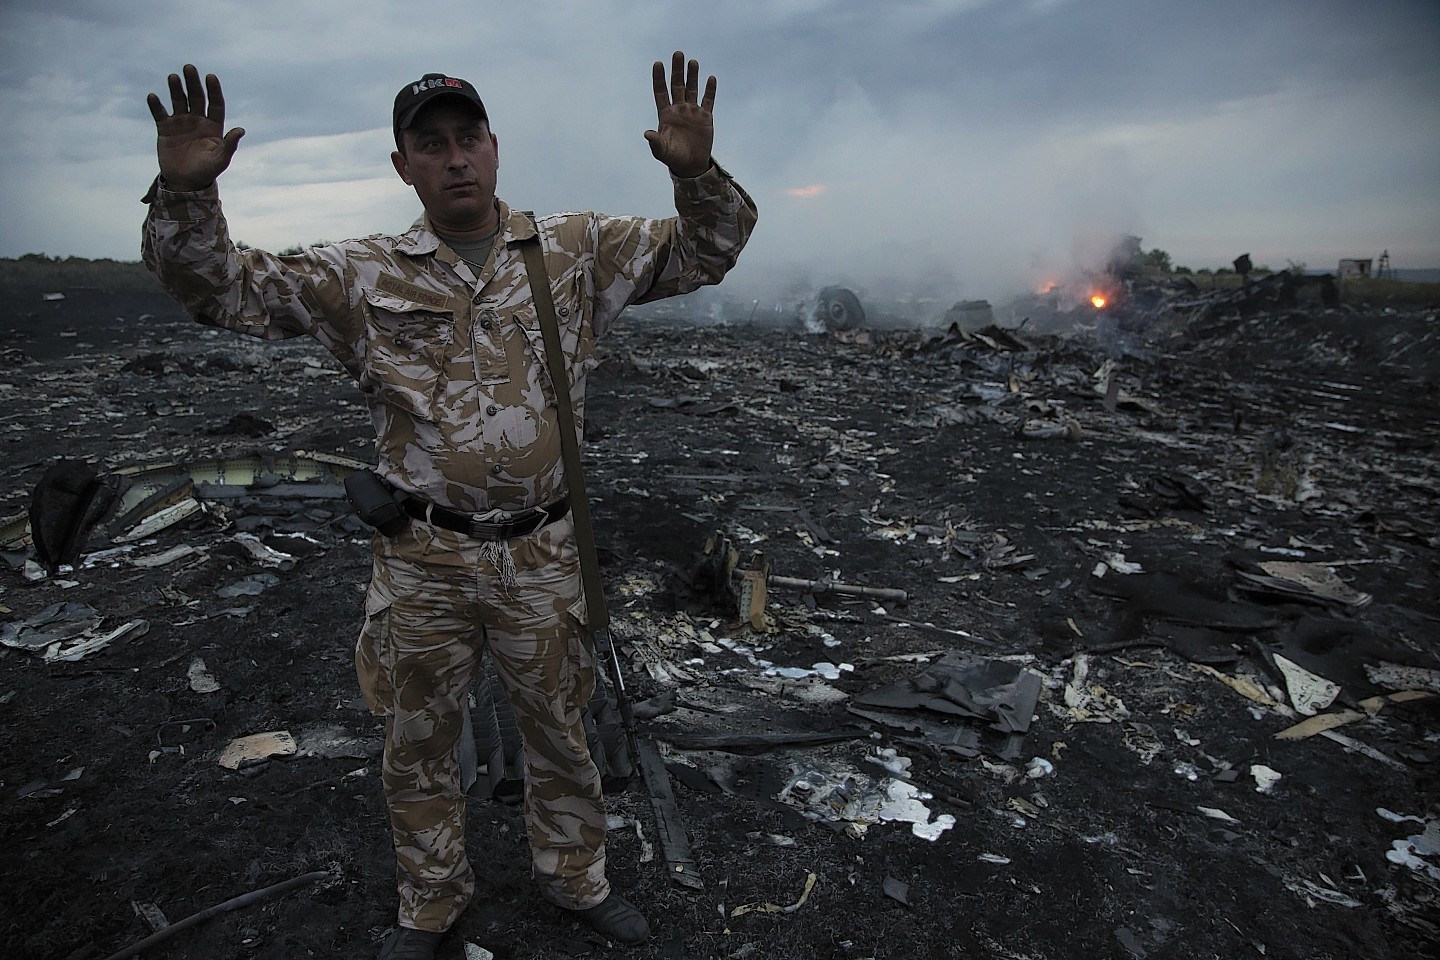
(1113, 643)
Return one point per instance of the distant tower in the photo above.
(1382, 269)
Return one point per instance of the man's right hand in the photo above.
(192, 143)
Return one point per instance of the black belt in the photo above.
(469, 524)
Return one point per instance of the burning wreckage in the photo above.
(1137, 618)
(1125, 294)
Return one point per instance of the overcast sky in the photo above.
(973, 147)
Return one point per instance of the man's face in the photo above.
(450, 158)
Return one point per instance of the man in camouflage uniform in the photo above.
(438, 328)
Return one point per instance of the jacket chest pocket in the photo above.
(405, 352)
(578, 360)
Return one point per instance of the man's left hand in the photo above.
(684, 132)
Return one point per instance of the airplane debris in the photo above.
(1240, 505)
(256, 747)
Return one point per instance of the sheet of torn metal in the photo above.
(153, 488)
(108, 555)
(1350, 743)
(1252, 691)
(81, 647)
(153, 523)
(1399, 677)
(257, 747)
(670, 828)
(897, 890)
(954, 738)
(15, 532)
(1246, 687)
(653, 656)
(961, 704)
(167, 557)
(1308, 579)
(963, 685)
(265, 555)
(1309, 692)
(256, 471)
(52, 625)
(1373, 705)
(138, 503)
(1319, 724)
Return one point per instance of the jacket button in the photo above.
(564, 311)
(495, 470)
(491, 410)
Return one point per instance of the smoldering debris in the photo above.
(1245, 495)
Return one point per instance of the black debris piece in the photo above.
(69, 500)
(897, 890)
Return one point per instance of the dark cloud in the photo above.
(990, 138)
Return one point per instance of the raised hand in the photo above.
(191, 141)
(684, 131)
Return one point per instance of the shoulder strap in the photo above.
(597, 613)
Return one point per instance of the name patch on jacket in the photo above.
(400, 288)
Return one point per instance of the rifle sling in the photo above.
(597, 613)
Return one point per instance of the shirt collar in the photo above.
(421, 240)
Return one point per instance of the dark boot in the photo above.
(405, 943)
(615, 919)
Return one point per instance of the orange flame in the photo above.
(1098, 301)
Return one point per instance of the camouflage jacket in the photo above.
(451, 361)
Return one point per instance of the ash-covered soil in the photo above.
(888, 460)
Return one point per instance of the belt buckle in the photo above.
(481, 529)
(516, 525)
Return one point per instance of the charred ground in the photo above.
(1308, 435)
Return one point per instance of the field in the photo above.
(913, 460)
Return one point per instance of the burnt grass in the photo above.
(1300, 433)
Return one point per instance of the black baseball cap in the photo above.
(415, 95)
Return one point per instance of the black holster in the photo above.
(375, 503)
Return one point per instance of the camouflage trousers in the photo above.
(437, 599)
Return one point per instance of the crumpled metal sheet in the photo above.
(961, 685)
(56, 623)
